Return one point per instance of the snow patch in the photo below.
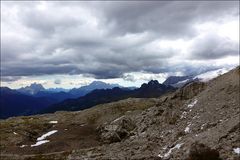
(184, 81)
(202, 126)
(193, 103)
(187, 129)
(166, 155)
(46, 135)
(39, 143)
(164, 148)
(15, 133)
(40, 140)
(22, 146)
(236, 150)
(118, 119)
(211, 74)
(53, 122)
(184, 114)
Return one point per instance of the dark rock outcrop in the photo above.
(190, 90)
(199, 151)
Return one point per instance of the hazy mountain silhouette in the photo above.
(99, 96)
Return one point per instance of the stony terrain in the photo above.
(200, 121)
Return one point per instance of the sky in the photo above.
(70, 44)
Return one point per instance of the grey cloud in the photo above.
(213, 47)
(168, 19)
(129, 77)
(107, 39)
(10, 78)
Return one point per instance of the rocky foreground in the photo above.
(200, 121)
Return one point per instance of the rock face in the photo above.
(197, 122)
(190, 90)
(117, 130)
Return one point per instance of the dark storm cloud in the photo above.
(213, 47)
(169, 19)
(108, 39)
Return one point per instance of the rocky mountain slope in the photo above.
(200, 121)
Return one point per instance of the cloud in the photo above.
(57, 81)
(213, 47)
(168, 19)
(10, 78)
(128, 77)
(111, 39)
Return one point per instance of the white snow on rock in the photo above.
(53, 122)
(166, 155)
(22, 146)
(193, 103)
(211, 74)
(118, 118)
(15, 133)
(187, 129)
(39, 143)
(40, 140)
(184, 114)
(202, 126)
(236, 150)
(182, 82)
(46, 135)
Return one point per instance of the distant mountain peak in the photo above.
(100, 83)
(153, 82)
(97, 82)
(78, 92)
(32, 89)
(37, 86)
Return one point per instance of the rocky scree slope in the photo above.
(198, 122)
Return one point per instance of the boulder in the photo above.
(117, 130)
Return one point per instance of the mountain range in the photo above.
(35, 98)
(148, 90)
